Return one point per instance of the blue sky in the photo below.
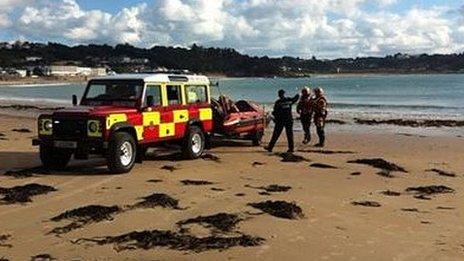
(324, 28)
(399, 6)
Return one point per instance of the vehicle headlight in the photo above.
(48, 125)
(94, 128)
(45, 126)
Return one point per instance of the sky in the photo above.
(299, 28)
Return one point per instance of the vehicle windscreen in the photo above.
(116, 92)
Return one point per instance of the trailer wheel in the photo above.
(122, 152)
(54, 158)
(257, 138)
(194, 143)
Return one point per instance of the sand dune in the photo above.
(242, 203)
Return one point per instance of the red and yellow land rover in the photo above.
(121, 116)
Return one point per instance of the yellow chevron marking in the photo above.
(181, 116)
(115, 118)
(166, 130)
(151, 118)
(206, 114)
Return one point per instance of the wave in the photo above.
(37, 85)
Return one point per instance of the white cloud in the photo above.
(325, 28)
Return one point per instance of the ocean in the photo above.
(439, 96)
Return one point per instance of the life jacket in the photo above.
(320, 107)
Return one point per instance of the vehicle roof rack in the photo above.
(184, 72)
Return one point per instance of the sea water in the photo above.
(436, 96)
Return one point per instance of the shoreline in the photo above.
(82, 80)
(411, 127)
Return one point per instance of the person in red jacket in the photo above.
(305, 110)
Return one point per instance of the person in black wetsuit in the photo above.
(283, 119)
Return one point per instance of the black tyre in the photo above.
(122, 152)
(257, 138)
(54, 158)
(194, 143)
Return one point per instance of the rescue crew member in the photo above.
(305, 109)
(283, 119)
(320, 114)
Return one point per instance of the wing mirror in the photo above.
(74, 100)
(150, 101)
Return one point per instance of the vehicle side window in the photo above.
(96, 90)
(196, 94)
(174, 95)
(155, 91)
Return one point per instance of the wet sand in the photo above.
(351, 211)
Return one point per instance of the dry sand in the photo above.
(333, 228)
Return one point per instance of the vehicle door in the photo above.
(152, 112)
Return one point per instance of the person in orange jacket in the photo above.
(305, 110)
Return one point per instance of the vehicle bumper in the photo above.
(81, 148)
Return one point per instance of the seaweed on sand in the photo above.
(174, 240)
(442, 172)
(42, 257)
(196, 182)
(83, 216)
(26, 173)
(390, 193)
(157, 200)
(322, 166)
(3, 240)
(290, 157)
(372, 204)
(22, 130)
(212, 157)
(281, 209)
(223, 222)
(385, 166)
(170, 168)
(23, 194)
(424, 192)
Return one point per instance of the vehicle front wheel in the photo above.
(194, 143)
(122, 152)
(54, 158)
(257, 138)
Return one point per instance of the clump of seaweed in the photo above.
(3, 240)
(42, 257)
(281, 209)
(23, 194)
(223, 222)
(385, 167)
(155, 180)
(83, 216)
(328, 152)
(390, 193)
(442, 172)
(212, 157)
(175, 240)
(290, 157)
(196, 182)
(157, 200)
(322, 166)
(371, 204)
(22, 130)
(26, 173)
(170, 168)
(424, 192)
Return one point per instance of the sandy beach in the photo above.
(349, 211)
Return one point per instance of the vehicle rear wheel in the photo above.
(257, 138)
(194, 143)
(122, 152)
(54, 158)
